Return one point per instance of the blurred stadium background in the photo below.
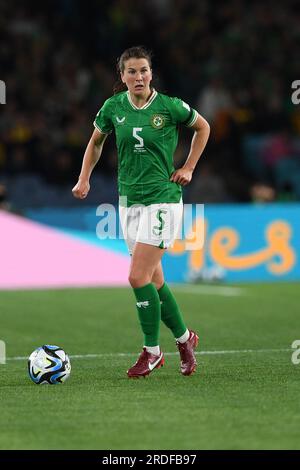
(58, 73)
(235, 63)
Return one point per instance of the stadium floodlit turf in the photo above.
(245, 394)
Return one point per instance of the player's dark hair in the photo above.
(137, 52)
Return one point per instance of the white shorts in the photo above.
(157, 224)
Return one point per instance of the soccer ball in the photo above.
(49, 365)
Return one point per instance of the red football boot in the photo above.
(188, 361)
(145, 364)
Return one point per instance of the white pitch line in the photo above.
(225, 291)
(199, 353)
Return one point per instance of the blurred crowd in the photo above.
(233, 61)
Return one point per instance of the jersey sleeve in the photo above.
(103, 120)
(181, 112)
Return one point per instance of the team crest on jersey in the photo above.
(157, 121)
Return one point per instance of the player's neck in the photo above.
(141, 100)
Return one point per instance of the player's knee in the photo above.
(158, 282)
(158, 278)
(138, 279)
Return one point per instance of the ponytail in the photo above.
(119, 86)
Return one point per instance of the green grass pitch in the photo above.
(244, 397)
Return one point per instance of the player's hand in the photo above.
(81, 189)
(182, 176)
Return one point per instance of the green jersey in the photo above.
(146, 140)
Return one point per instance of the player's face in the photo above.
(137, 76)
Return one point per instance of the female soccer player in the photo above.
(146, 127)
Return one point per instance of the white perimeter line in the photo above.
(210, 290)
(200, 353)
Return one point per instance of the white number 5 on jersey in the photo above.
(138, 137)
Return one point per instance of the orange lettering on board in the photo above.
(278, 234)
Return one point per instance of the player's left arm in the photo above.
(184, 174)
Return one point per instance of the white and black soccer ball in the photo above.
(49, 365)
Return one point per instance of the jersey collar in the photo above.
(146, 105)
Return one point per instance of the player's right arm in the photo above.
(91, 157)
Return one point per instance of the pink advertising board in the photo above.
(36, 256)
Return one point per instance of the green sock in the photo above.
(148, 307)
(170, 312)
